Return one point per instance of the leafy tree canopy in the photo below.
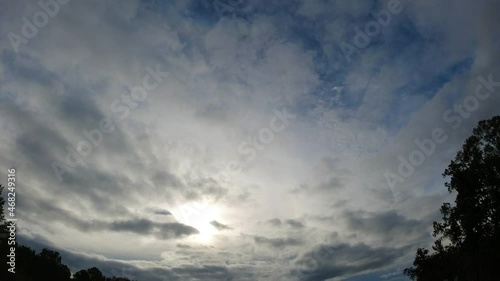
(468, 245)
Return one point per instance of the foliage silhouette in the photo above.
(468, 244)
(91, 274)
(3, 239)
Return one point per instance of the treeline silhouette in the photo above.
(468, 239)
(45, 266)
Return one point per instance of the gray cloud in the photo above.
(163, 212)
(219, 225)
(274, 222)
(388, 225)
(138, 225)
(344, 260)
(278, 242)
(295, 223)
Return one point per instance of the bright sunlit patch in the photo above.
(199, 216)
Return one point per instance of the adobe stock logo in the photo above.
(40, 18)
(427, 147)
(250, 148)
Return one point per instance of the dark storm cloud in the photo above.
(24, 66)
(79, 109)
(295, 223)
(137, 225)
(289, 222)
(144, 226)
(209, 272)
(274, 222)
(163, 212)
(338, 260)
(387, 225)
(278, 242)
(219, 225)
(173, 230)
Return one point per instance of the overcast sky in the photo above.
(242, 139)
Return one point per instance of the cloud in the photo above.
(163, 212)
(139, 226)
(388, 227)
(295, 223)
(219, 225)
(344, 261)
(278, 242)
(274, 222)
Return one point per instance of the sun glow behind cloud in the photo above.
(199, 215)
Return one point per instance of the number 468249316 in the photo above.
(11, 183)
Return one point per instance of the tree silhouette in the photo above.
(47, 265)
(3, 239)
(468, 244)
(94, 274)
(3, 227)
(91, 274)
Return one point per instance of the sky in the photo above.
(240, 139)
